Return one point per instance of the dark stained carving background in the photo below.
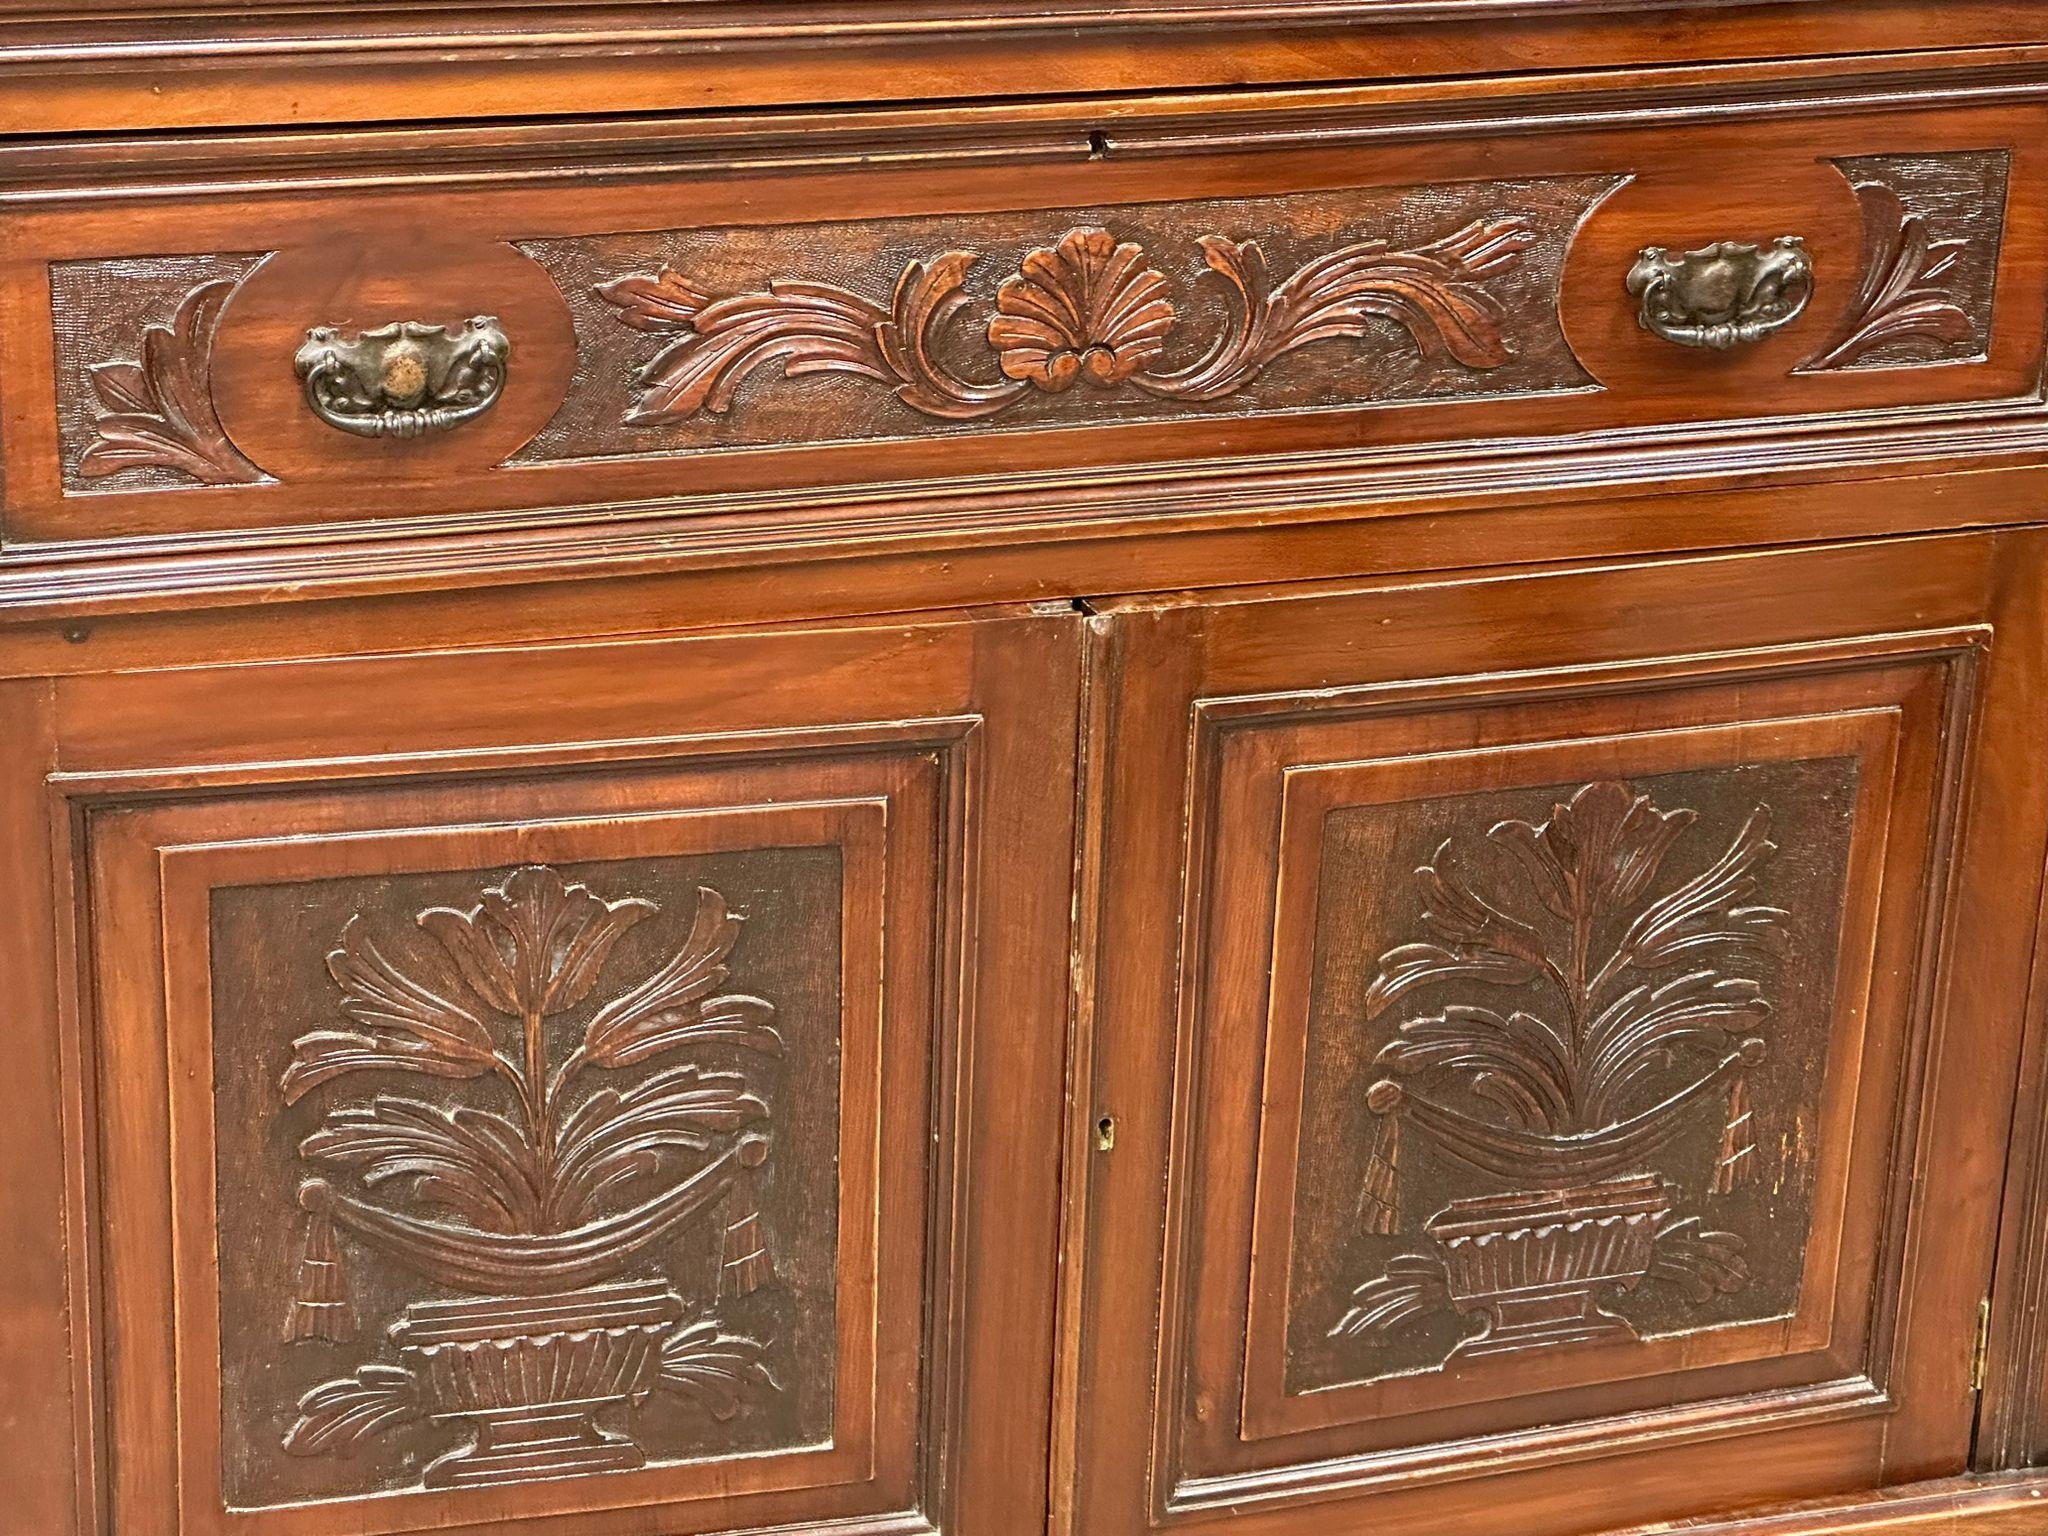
(271, 985)
(869, 258)
(1371, 902)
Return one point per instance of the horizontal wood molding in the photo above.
(2012, 1505)
(132, 64)
(491, 155)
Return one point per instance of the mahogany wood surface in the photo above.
(1248, 767)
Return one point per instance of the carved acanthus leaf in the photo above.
(1516, 1060)
(1414, 1284)
(158, 413)
(338, 1416)
(531, 950)
(1603, 1030)
(406, 1022)
(1432, 293)
(469, 1160)
(534, 945)
(1087, 309)
(1700, 1263)
(1477, 942)
(712, 1368)
(1902, 294)
(676, 1005)
(618, 1135)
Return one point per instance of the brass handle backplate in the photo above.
(1728, 295)
(404, 380)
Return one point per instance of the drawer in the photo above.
(735, 316)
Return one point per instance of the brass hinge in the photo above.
(1980, 1355)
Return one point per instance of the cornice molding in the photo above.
(86, 68)
(31, 33)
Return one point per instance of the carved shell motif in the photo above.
(1088, 308)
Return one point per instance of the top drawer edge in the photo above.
(126, 65)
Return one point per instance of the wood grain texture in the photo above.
(269, 64)
(1095, 805)
(2008, 1505)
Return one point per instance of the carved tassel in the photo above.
(321, 1308)
(1737, 1164)
(1379, 1203)
(747, 1265)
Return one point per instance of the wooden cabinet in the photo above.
(950, 768)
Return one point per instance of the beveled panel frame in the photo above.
(1867, 736)
(870, 1465)
(1831, 1359)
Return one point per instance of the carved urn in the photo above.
(1535, 1264)
(533, 1373)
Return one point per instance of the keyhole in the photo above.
(1105, 1133)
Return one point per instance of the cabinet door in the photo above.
(1552, 1037)
(583, 1088)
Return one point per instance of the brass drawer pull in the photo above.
(1727, 295)
(404, 380)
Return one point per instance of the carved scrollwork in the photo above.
(158, 412)
(404, 380)
(632, 1119)
(1574, 1040)
(1724, 296)
(1088, 310)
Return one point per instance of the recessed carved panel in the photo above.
(134, 343)
(1933, 226)
(846, 332)
(1563, 1066)
(556, 1146)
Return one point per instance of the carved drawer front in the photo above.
(621, 317)
(497, 1129)
(1571, 1068)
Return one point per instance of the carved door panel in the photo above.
(1570, 1016)
(537, 1088)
